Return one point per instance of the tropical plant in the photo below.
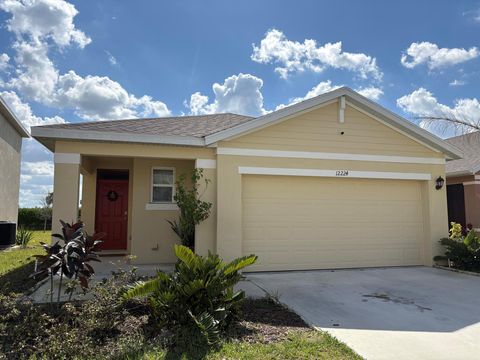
(193, 210)
(70, 259)
(462, 251)
(23, 236)
(198, 297)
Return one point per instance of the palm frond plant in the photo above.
(69, 257)
(23, 236)
(198, 297)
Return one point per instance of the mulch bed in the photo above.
(265, 321)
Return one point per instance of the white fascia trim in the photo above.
(329, 156)
(458, 173)
(161, 207)
(45, 132)
(66, 158)
(476, 182)
(341, 173)
(205, 164)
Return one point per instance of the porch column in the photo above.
(471, 190)
(66, 185)
(206, 231)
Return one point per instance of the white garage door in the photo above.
(295, 223)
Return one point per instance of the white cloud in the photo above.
(95, 97)
(43, 168)
(422, 103)
(36, 75)
(293, 56)
(44, 19)
(240, 94)
(473, 14)
(371, 92)
(111, 59)
(36, 173)
(325, 86)
(4, 59)
(35, 182)
(320, 88)
(92, 97)
(456, 83)
(435, 57)
(24, 112)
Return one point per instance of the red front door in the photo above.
(112, 213)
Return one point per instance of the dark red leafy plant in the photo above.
(70, 257)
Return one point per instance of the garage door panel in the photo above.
(309, 223)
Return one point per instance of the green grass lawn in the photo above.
(299, 345)
(17, 264)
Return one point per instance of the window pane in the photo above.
(163, 177)
(162, 194)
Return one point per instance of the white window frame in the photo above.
(152, 185)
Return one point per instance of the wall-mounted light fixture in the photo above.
(439, 183)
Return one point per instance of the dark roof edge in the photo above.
(12, 119)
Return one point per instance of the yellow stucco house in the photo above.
(11, 133)
(335, 181)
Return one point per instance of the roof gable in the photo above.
(320, 131)
(353, 98)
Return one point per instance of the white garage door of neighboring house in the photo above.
(295, 223)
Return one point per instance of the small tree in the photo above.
(193, 210)
(46, 209)
(444, 123)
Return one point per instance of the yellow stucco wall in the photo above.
(152, 238)
(320, 131)
(10, 147)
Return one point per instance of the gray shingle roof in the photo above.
(469, 144)
(196, 126)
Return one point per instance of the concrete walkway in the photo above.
(103, 270)
(393, 313)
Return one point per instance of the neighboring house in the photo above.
(11, 134)
(335, 181)
(463, 181)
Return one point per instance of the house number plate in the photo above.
(341, 173)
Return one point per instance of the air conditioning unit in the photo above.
(7, 233)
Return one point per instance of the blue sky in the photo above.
(83, 60)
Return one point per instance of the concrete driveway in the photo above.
(391, 313)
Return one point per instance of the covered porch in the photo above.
(127, 192)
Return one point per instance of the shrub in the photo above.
(33, 218)
(462, 251)
(71, 259)
(23, 236)
(197, 300)
(193, 210)
(101, 327)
